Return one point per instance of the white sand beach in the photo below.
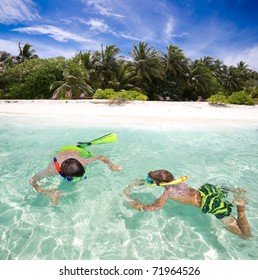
(149, 113)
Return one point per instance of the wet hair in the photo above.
(71, 167)
(161, 176)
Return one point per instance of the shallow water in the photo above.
(92, 221)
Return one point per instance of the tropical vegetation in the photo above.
(121, 95)
(146, 74)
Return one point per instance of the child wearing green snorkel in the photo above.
(208, 197)
(71, 162)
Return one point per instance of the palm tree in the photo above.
(26, 53)
(106, 64)
(242, 66)
(244, 71)
(86, 61)
(176, 67)
(175, 62)
(148, 67)
(200, 81)
(71, 87)
(147, 62)
(218, 69)
(207, 61)
(232, 79)
(125, 78)
(5, 57)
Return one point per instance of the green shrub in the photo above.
(121, 95)
(104, 93)
(129, 95)
(241, 98)
(219, 99)
(2, 94)
(252, 91)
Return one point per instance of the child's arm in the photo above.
(137, 182)
(136, 204)
(160, 202)
(36, 177)
(112, 166)
(54, 194)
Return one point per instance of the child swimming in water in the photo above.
(71, 164)
(208, 197)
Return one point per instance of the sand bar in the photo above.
(146, 113)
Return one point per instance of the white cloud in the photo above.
(207, 39)
(102, 7)
(126, 36)
(98, 25)
(52, 31)
(169, 28)
(249, 56)
(136, 20)
(48, 51)
(66, 20)
(227, 54)
(9, 46)
(17, 11)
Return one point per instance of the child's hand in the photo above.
(135, 203)
(139, 182)
(54, 195)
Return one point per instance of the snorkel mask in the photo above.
(150, 183)
(70, 179)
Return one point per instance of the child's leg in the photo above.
(239, 226)
(232, 226)
(240, 201)
(242, 221)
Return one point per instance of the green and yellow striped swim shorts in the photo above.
(214, 202)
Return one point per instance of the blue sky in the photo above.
(224, 29)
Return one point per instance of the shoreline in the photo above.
(148, 113)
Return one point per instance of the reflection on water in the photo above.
(92, 221)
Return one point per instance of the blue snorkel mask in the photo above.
(70, 179)
(149, 181)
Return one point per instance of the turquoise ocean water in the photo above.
(92, 221)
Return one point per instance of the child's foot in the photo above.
(240, 197)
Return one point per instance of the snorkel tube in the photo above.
(150, 183)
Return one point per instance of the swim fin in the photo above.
(108, 138)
